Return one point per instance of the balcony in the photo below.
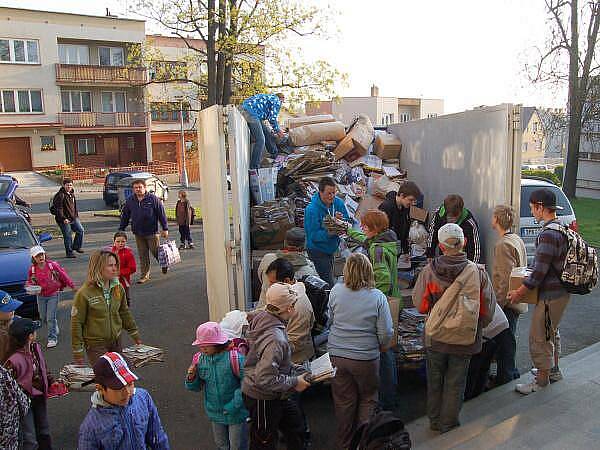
(100, 75)
(103, 120)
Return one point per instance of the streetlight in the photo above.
(184, 177)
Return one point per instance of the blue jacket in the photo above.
(264, 107)
(132, 427)
(144, 215)
(317, 237)
(223, 401)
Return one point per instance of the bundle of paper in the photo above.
(74, 375)
(336, 226)
(140, 355)
(321, 369)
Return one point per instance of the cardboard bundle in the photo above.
(140, 355)
(357, 141)
(383, 185)
(315, 133)
(387, 146)
(295, 122)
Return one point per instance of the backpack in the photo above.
(580, 271)
(383, 431)
(454, 317)
(51, 206)
(238, 348)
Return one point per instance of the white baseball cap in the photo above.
(451, 235)
(36, 250)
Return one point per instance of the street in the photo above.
(167, 311)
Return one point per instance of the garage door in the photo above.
(164, 151)
(15, 154)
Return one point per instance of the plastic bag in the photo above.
(418, 234)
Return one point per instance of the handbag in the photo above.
(168, 254)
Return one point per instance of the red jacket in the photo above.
(126, 264)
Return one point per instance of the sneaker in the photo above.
(182, 247)
(528, 388)
(78, 250)
(143, 280)
(555, 374)
(51, 343)
(191, 246)
(71, 255)
(164, 269)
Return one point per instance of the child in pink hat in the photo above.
(218, 369)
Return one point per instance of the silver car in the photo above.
(529, 227)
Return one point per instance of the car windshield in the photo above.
(115, 177)
(14, 233)
(4, 186)
(561, 199)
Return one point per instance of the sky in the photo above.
(467, 52)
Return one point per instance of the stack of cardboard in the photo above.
(387, 146)
(269, 223)
(295, 122)
(357, 141)
(317, 132)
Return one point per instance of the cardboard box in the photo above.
(418, 214)
(359, 138)
(366, 203)
(395, 311)
(387, 146)
(262, 184)
(295, 122)
(317, 132)
(516, 281)
(383, 185)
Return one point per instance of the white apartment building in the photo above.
(381, 110)
(68, 92)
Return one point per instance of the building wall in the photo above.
(348, 108)
(588, 178)
(408, 112)
(319, 107)
(533, 144)
(387, 111)
(431, 108)
(41, 158)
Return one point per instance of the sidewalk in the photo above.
(563, 416)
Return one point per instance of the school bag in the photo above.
(580, 272)
(453, 318)
(51, 206)
(238, 347)
(384, 431)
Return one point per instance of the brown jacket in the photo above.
(184, 213)
(509, 253)
(300, 325)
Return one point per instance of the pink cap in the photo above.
(210, 333)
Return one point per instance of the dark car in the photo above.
(111, 187)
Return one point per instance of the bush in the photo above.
(546, 174)
(558, 171)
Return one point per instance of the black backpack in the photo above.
(383, 432)
(317, 292)
(51, 206)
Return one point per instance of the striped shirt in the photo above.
(550, 253)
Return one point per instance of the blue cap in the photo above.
(7, 303)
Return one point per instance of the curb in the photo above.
(100, 214)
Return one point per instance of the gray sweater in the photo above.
(360, 323)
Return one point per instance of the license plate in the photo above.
(530, 232)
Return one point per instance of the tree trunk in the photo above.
(211, 54)
(222, 49)
(575, 108)
(227, 76)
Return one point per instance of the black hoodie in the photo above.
(399, 218)
(470, 229)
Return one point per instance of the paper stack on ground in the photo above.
(321, 369)
(141, 355)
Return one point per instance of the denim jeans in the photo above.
(47, 308)
(67, 230)
(513, 322)
(324, 265)
(230, 437)
(262, 137)
(184, 234)
(446, 380)
(35, 432)
(388, 381)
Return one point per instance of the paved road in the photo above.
(167, 311)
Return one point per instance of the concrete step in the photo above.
(501, 409)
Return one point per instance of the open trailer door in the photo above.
(475, 153)
(223, 139)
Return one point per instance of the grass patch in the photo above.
(170, 213)
(587, 211)
(54, 231)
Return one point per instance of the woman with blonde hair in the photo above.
(361, 327)
(100, 312)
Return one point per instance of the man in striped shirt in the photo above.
(453, 211)
(256, 110)
(550, 253)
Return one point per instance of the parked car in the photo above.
(16, 238)
(529, 228)
(111, 186)
(153, 185)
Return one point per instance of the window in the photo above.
(76, 101)
(404, 117)
(48, 143)
(21, 101)
(130, 143)
(73, 54)
(86, 146)
(167, 70)
(111, 56)
(19, 51)
(431, 115)
(114, 102)
(524, 146)
(169, 112)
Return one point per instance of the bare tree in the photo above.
(566, 43)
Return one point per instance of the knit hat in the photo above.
(36, 250)
(295, 237)
(111, 370)
(233, 323)
(210, 333)
(281, 296)
(451, 235)
(21, 327)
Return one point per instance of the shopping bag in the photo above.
(168, 254)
